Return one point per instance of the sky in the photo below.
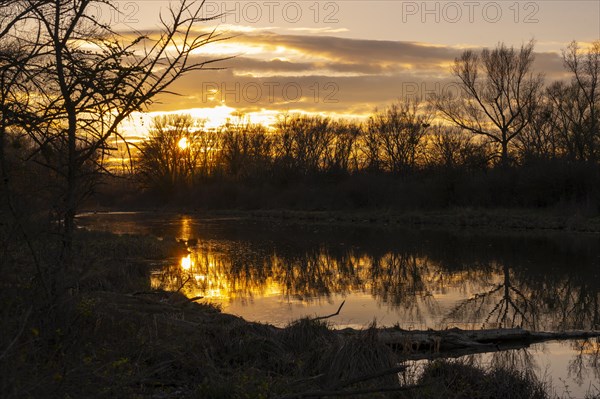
(346, 58)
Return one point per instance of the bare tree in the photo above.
(568, 121)
(451, 148)
(169, 157)
(207, 143)
(499, 94)
(302, 141)
(540, 140)
(15, 13)
(395, 136)
(245, 148)
(370, 149)
(19, 45)
(577, 103)
(84, 79)
(340, 156)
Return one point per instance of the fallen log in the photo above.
(425, 344)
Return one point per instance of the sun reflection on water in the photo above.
(210, 275)
(417, 289)
(214, 272)
(186, 263)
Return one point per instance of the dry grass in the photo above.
(458, 379)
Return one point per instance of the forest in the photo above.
(508, 139)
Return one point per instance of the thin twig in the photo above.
(180, 287)
(14, 341)
(331, 315)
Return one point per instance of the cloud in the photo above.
(313, 31)
(551, 65)
(354, 50)
(322, 74)
(316, 93)
(283, 66)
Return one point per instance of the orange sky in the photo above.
(345, 58)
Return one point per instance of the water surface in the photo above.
(277, 272)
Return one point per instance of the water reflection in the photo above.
(585, 365)
(570, 373)
(427, 279)
(502, 303)
(419, 279)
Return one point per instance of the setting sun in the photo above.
(183, 143)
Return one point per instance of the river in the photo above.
(275, 272)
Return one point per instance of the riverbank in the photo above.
(488, 220)
(111, 335)
(193, 350)
(464, 218)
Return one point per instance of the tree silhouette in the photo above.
(451, 148)
(245, 149)
(499, 94)
(577, 103)
(169, 157)
(395, 136)
(302, 142)
(83, 80)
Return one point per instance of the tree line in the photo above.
(505, 123)
(395, 141)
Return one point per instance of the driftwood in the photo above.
(426, 344)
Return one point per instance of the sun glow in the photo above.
(183, 143)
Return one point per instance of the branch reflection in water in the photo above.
(273, 272)
(422, 279)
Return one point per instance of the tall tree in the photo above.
(577, 103)
(394, 136)
(498, 97)
(244, 148)
(168, 159)
(540, 140)
(84, 79)
(302, 141)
